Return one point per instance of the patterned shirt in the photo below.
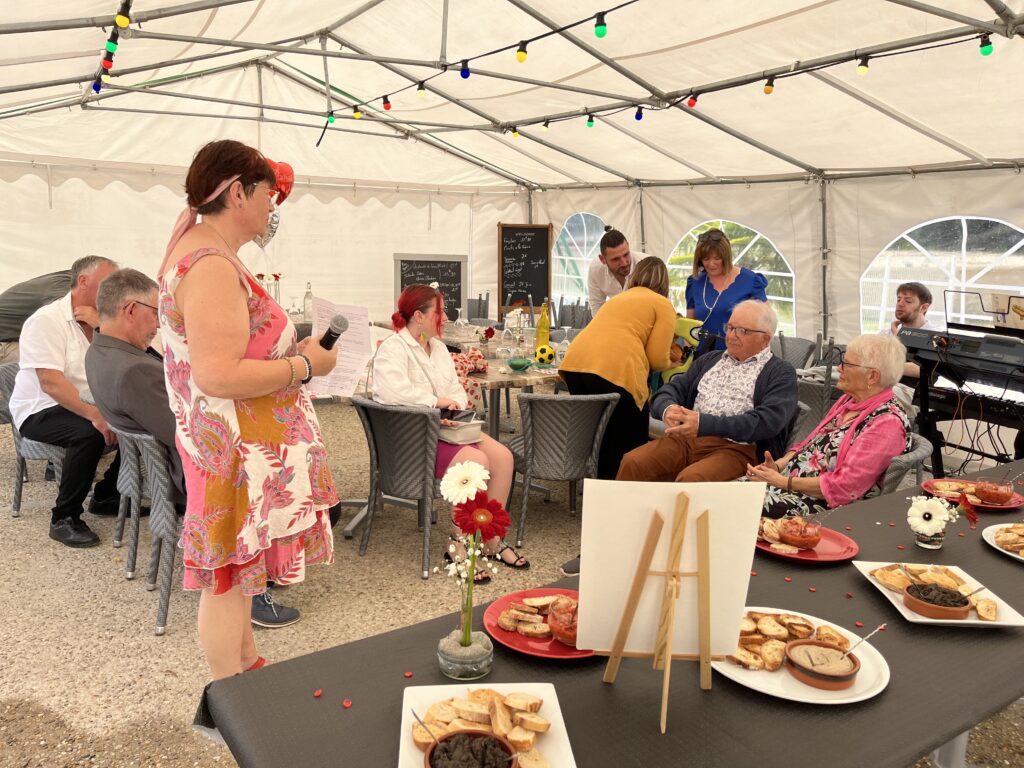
(728, 388)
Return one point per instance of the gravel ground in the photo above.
(85, 682)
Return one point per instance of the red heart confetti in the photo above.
(849, 595)
(849, 527)
(900, 546)
(858, 623)
(408, 674)
(812, 589)
(882, 628)
(892, 525)
(962, 535)
(788, 579)
(318, 693)
(347, 703)
(754, 573)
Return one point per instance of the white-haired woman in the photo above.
(847, 454)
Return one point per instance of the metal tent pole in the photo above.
(825, 251)
(108, 20)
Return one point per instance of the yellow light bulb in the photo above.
(122, 21)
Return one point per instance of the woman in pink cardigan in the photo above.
(848, 453)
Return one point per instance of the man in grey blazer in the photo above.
(126, 377)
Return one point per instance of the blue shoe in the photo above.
(267, 613)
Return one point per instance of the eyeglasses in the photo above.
(846, 364)
(742, 332)
(136, 301)
(712, 234)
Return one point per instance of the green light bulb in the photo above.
(986, 50)
(590, 121)
(330, 118)
(600, 30)
(111, 46)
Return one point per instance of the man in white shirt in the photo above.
(51, 402)
(608, 273)
(912, 303)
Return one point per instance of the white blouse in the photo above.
(404, 374)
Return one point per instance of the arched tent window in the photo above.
(750, 249)
(577, 244)
(962, 253)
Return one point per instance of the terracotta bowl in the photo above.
(513, 763)
(932, 611)
(809, 676)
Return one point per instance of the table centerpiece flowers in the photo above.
(928, 517)
(464, 654)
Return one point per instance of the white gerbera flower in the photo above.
(929, 516)
(463, 481)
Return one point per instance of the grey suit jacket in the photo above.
(127, 384)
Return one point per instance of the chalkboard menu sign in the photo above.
(524, 262)
(449, 272)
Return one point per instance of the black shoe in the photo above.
(571, 568)
(49, 475)
(267, 613)
(72, 532)
(105, 507)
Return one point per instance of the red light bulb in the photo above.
(691, 102)
(107, 64)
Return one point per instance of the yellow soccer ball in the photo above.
(545, 354)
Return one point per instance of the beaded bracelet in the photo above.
(309, 369)
(291, 366)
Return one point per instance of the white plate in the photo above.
(1008, 617)
(870, 681)
(554, 744)
(989, 535)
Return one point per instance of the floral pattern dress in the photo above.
(256, 470)
(817, 456)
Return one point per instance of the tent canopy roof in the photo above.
(171, 92)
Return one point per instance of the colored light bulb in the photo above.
(96, 87)
(600, 28)
(356, 113)
(387, 103)
(985, 45)
(107, 64)
(122, 21)
(111, 46)
(691, 102)
(590, 121)
(521, 53)
(515, 130)
(105, 77)
(639, 114)
(464, 69)
(862, 67)
(330, 118)
(421, 90)
(769, 86)
(547, 124)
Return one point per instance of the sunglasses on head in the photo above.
(712, 234)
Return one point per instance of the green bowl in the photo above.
(519, 363)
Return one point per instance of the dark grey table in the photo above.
(944, 680)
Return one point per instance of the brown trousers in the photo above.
(687, 460)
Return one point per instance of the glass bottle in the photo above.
(307, 304)
(543, 338)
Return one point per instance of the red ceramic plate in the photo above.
(546, 648)
(929, 485)
(832, 548)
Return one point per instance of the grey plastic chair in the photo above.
(403, 447)
(24, 448)
(920, 449)
(795, 350)
(130, 486)
(164, 524)
(560, 441)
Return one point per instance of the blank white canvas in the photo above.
(616, 516)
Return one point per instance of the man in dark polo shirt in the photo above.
(19, 302)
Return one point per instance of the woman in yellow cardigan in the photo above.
(616, 352)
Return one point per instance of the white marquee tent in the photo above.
(831, 167)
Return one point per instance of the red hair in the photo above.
(418, 297)
(220, 160)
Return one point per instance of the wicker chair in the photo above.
(920, 449)
(403, 447)
(23, 447)
(560, 441)
(154, 478)
(797, 351)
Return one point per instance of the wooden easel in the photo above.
(662, 655)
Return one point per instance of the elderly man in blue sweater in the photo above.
(723, 413)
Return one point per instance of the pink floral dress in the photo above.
(256, 470)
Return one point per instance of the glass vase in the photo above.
(465, 662)
(930, 541)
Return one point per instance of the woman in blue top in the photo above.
(717, 286)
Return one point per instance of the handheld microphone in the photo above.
(339, 324)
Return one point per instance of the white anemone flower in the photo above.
(463, 481)
(929, 516)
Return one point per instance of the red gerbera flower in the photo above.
(482, 514)
(489, 332)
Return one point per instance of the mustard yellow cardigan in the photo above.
(628, 338)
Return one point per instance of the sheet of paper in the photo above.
(615, 519)
(353, 348)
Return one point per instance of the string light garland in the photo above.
(121, 21)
